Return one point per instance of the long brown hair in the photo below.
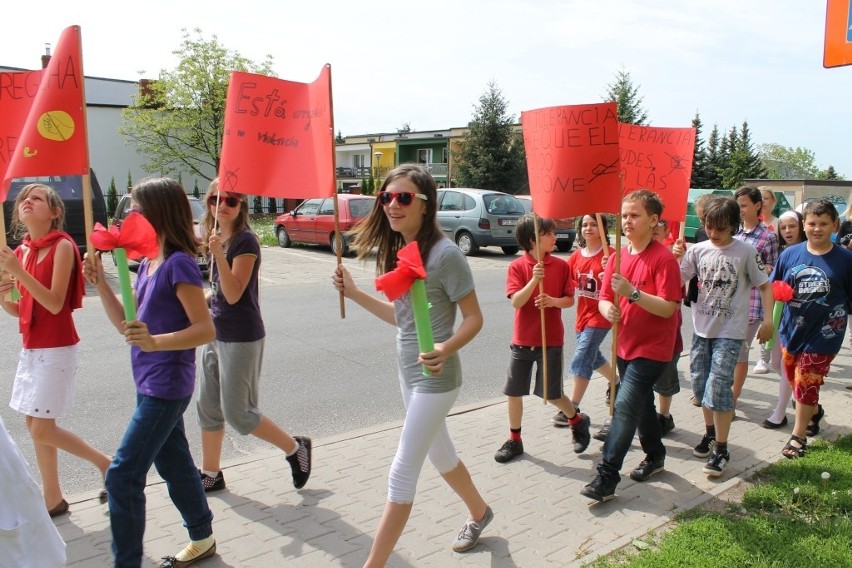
(374, 231)
(165, 206)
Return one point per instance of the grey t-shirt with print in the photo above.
(448, 279)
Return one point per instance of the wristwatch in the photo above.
(634, 296)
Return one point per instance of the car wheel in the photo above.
(283, 238)
(510, 250)
(332, 241)
(565, 247)
(466, 244)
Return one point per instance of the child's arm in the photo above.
(199, 331)
(343, 282)
(545, 301)
(521, 297)
(52, 298)
(93, 271)
(609, 310)
(656, 305)
(468, 328)
(234, 278)
(766, 329)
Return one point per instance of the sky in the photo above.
(398, 62)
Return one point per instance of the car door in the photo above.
(324, 223)
(301, 227)
(450, 211)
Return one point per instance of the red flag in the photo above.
(52, 136)
(572, 159)
(17, 91)
(658, 159)
(278, 138)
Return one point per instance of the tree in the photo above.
(112, 197)
(829, 174)
(703, 175)
(339, 139)
(782, 162)
(626, 97)
(754, 167)
(492, 155)
(177, 120)
(714, 159)
(739, 161)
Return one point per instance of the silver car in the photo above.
(476, 218)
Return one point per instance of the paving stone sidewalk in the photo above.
(540, 518)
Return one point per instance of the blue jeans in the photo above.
(634, 408)
(155, 436)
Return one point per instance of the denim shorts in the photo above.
(588, 357)
(711, 366)
(669, 382)
(520, 372)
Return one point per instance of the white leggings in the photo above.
(424, 432)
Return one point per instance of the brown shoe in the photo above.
(172, 562)
(60, 509)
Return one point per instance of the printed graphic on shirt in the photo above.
(588, 285)
(718, 281)
(810, 284)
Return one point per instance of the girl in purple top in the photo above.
(172, 320)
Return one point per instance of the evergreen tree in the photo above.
(714, 159)
(196, 191)
(339, 139)
(702, 176)
(112, 197)
(626, 97)
(129, 181)
(492, 155)
(754, 167)
(829, 174)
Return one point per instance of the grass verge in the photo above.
(264, 228)
(794, 513)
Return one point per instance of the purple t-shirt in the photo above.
(239, 322)
(164, 374)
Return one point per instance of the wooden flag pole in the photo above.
(614, 380)
(88, 215)
(338, 238)
(541, 311)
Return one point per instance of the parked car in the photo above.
(566, 233)
(312, 222)
(125, 206)
(692, 222)
(70, 190)
(476, 218)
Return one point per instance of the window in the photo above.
(309, 207)
(424, 155)
(327, 207)
(453, 201)
(445, 155)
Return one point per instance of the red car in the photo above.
(312, 222)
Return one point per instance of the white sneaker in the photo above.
(760, 368)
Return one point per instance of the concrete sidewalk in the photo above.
(540, 518)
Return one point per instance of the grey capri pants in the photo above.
(230, 379)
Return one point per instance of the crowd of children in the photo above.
(727, 279)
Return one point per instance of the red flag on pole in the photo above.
(50, 108)
(572, 159)
(658, 159)
(278, 138)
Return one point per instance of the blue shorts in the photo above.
(711, 366)
(588, 356)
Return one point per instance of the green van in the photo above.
(692, 222)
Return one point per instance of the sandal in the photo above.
(790, 451)
(813, 427)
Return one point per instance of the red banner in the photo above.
(42, 117)
(658, 159)
(572, 159)
(278, 138)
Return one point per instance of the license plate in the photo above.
(562, 237)
(200, 260)
(508, 222)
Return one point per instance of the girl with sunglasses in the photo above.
(405, 211)
(231, 364)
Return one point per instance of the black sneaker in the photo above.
(703, 449)
(602, 433)
(666, 424)
(300, 462)
(599, 489)
(580, 431)
(211, 484)
(716, 464)
(560, 420)
(648, 467)
(509, 451)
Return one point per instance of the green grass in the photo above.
(264, 227)
(791, 516)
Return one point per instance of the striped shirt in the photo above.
(766, 243)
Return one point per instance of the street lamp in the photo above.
(378, 156)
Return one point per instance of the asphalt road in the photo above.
(322, 375)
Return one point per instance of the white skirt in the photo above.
(44, 383)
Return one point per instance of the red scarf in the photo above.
(77, 285)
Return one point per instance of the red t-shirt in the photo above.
(641, 334)
(557, 283)
(585, 276)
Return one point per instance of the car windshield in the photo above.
(360, 207)
(499, 204)
(197, 209)
(526, 204)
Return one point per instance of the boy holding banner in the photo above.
(533, 285)
(649, 293)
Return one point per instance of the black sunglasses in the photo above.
(230, 201)
(404, 198)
